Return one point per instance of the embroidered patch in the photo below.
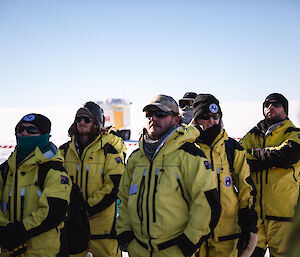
(213, 108)
(207, 165)
(133, 189)
(228, 181)
(298, 135)
(29, 117)
(64, 180)
(119, 160)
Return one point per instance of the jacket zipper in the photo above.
(261, 187)
(81, 175)
(16, 187)
(147, 200)
(15, 196)
(154, 193)
(140, 200)
(181, 188)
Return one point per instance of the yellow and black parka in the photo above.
(40, 211)
(98, 172)
(274, 158)
(172, 194)
(235, 187)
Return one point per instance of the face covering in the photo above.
(187, 115)
(26, 145)
(209, 135)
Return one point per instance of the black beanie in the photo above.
(279, 98)
(206, 103)
(38, 120)
(96, 111)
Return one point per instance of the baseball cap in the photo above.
(163, 102)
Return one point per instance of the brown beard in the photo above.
(95, 131)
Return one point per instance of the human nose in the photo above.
(211, 120)
(24, 133)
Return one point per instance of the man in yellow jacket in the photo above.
(94, 159)
(273, 148)
(169, 201)
(236, 189)
(32, 216)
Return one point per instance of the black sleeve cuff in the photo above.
(124, 239)
(247, 220)
(186, 246)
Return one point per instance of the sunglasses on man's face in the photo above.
(30, 130)
(207, 116)
(85, 118)
(274, 104)
(184, 103)
(158, 114)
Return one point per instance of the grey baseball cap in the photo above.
(164, 102)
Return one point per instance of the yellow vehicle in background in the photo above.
(117, 115)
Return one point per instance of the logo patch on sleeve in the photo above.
(207, 165)
(119, 160)
(64, 180)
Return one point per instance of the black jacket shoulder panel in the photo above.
(235, 144)
(192, 149)
(135, 151)
(45, 167)
(65, 146)
(4, 169)
(291, 129)
(108, 148)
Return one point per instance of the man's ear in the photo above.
(177, 119)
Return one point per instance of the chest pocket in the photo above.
(170, 183)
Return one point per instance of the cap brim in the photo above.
(158, 105)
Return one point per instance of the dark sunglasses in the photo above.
(85, 118)
(184, 103)
(158, 114)
(207, 116)
(30, 130)
(274, 104)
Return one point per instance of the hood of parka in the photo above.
(36, 157)
(175, 139)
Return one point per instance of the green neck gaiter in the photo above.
(26, 145)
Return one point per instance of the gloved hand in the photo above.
(255, 165)
(12, 235)
(248, 238)
(124, 239)
(19, 251)
(186, 246)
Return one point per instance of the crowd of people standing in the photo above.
(188, 189)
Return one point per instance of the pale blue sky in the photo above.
(65, 52)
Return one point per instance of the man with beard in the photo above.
(273, 147)
(236, 190)
(169, 202)
(94, 159)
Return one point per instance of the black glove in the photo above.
(124, 239)
(255, 165)
(247, 222)
(186, 246)
(12, 235)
